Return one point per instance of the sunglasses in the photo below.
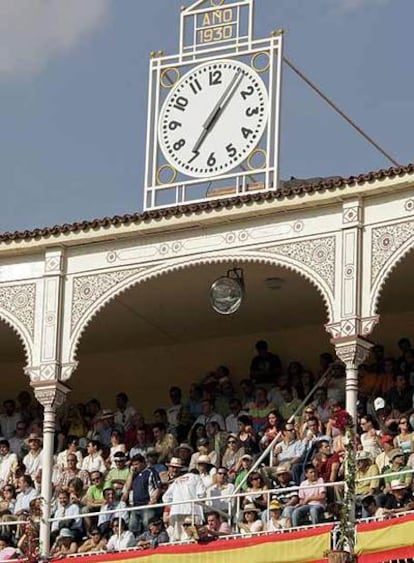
(255, 478)
(186, 525)
(95, 479)
(221, 473)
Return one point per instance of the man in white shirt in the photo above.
(104, 520)
(70, 511)
(8, 462)
(18, 440)
(232, 424)
(208, 415)
(33, 460)
(9, 419)
(26, 495)
(185, 487)
(124, 413)
(121, 538)
(93, 461)
(221, 488)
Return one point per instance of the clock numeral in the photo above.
(196, 154)
(246, 132)
(181, 103)
(248, 92)
(232, 151)
(179, 145)
(195, 86)
(215, 77)
(173, 125)
(211, 161)
(252, 111)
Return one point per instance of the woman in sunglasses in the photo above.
(232, 455)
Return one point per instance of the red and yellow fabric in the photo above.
(386, 541)
(305, 546)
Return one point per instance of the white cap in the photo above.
(379, 403)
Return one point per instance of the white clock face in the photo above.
(213, 118)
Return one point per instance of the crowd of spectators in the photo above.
(203, 447)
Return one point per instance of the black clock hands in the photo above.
(218, 109)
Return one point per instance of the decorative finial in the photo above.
(278, 32)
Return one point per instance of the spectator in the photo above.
(165, 443)
(184, 487)
(265, 367)
(25, 496)
(287, 499)
(120, 472)
(276, 522)
(312, 502)
(216, 528)
(246, 464)
(72, 472)
(251, 522)
(221, 488)
(70, 510)
(141, 444)
(404, 439)
(117, 446)
(121, 537)
(184, 452)
(18, 440)
(203, 449)
(154, 536)
(94, 497)
(94, 461)
(400, 396)
(65, 544)
(247, 436)
(8, 462)
(95, 542)
(399, 499)
(256, 489)
(178, 417)
(72, 448)
(206, 470)
(370, 436)
(382, 459)
(289, 405)
(397, 459)
(110, 503)
(33, 460)
(231, 422)
(123, 417)
(9, 419)
(232, 456)
(145, 485)
(259, 409)
(208, 415)
(290, 451)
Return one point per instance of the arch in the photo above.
(385, 272)
(21, 333)
(161, 269)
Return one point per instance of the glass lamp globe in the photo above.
(226, 295)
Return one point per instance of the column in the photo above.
(352, 350)
(51, 395)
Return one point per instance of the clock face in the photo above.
(213, 118)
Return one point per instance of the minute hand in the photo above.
(218, 108)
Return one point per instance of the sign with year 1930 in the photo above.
(217, 25)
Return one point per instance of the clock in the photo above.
(213, 118)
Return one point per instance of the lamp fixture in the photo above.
(227, 292)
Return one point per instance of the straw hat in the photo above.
(33, 437)
(176, 462)
(250, 507)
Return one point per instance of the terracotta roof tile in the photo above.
(291, 188)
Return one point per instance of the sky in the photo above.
(73, 96)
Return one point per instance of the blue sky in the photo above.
(73, 92)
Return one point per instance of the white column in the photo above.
(50, 394)
(352, 350)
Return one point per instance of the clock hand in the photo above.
(218, 109)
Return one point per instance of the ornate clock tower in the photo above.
(214, 109)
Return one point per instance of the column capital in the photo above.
(50, 394)
(352, 350)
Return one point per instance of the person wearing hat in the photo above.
(65, 544)
(398, 499)
(282, 479)
(34, 459)
(184, 451)
(397, 459)
(382, 459)
(365, 468)
(184, 487)
(154, 536)
(276, 521)
(251, 522)
(120, 472)
(203, 449)
(206, 470)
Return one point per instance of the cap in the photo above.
(397, 485)
(363, 455)
(395, 453)
(185, 446)
(120, 455)
(275, 505)
(379, 403)
(250, 507)
(66, 533)
(281, 469)
(247, 456)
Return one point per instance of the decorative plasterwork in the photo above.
(51, 395)
(352, 351)
(50, 371)
(88, 289)
(352, 327)
(318, 254)
(19, 301)
(385, 243)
